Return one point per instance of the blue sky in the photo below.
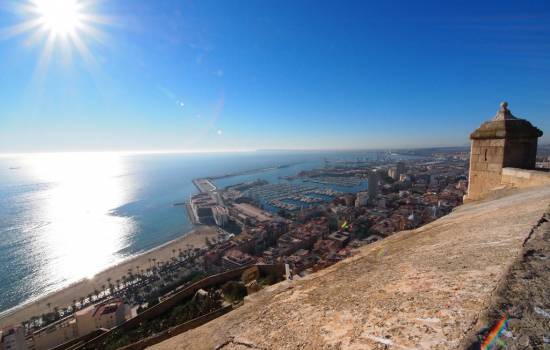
(227, 75)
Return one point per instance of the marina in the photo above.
(290, 196)
(338, 181)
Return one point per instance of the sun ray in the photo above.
(83, 50)
(94, 33)
(45, 57)
(20, 28)
(65, 24)
(35, 37)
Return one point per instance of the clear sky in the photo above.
(226, 75)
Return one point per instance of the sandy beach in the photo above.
(65, 297)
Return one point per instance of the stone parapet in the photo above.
(521, 178)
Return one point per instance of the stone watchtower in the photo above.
(504, 141)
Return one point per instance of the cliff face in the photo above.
(423, 289)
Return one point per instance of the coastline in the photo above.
(65, 296)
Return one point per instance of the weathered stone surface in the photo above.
(421, 289)
(523, 296)
(522, 178)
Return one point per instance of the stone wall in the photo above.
(171, 332)
(174, 300)
(486, 159)
(521, 178)
(520, 153)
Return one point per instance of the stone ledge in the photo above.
(524, 178)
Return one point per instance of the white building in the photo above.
(404, 178)
(392, 172)
(221, 215)
(85, 321)
(106, 316)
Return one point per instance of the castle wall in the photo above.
(486, 159)
(521, 178)
(520, 153)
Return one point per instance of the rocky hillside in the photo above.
(438, 287)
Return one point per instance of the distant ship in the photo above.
(15, 168)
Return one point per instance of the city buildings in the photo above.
(221, 215)
(373, 184)
(104, 315)
(202, 205)
(362, 198)
(107, 315)
(13, 338)
(321, 230)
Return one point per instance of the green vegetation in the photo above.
(153, 297)
(234, 291)
(269, 279)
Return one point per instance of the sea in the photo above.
(67, 216)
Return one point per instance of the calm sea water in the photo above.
(64, 217)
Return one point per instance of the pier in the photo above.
(204, 185)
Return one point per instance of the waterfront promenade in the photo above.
(65, 296)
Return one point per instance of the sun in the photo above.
(60, 27)
(59, 17)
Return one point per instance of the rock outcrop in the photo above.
(430, 288)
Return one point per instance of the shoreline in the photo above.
(64, 296)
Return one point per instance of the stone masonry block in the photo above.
(497, 143)
(481, 166)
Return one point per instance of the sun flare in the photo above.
(60, 17)
(60, 27)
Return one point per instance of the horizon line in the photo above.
(204, 151)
